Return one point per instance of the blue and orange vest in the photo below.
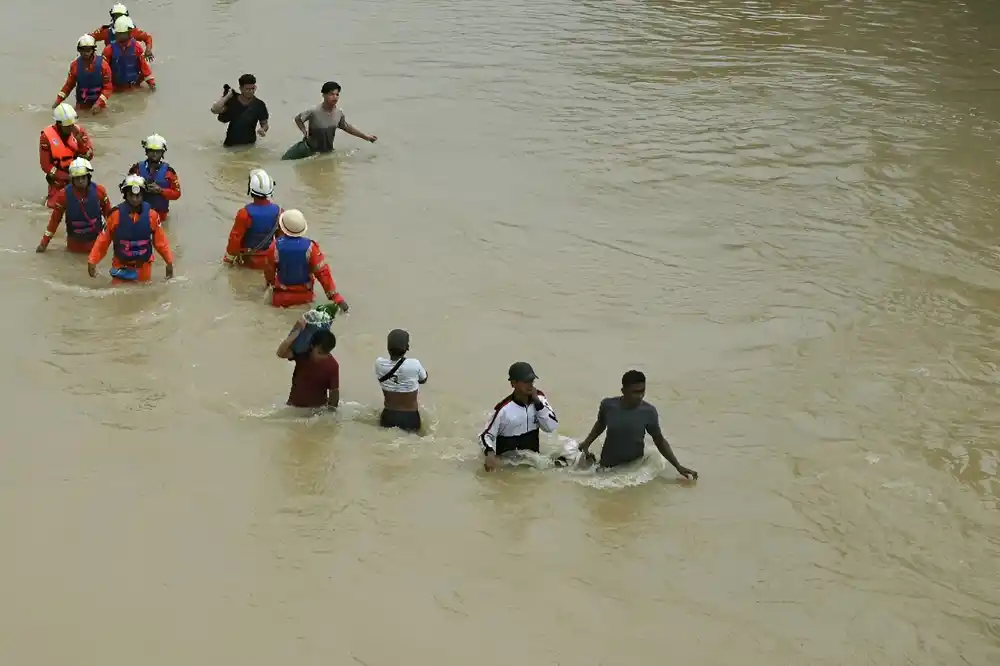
(157, 201)
(293, 261)
(133, 241)
(124, 64)
(84, 220)
(263, 225)
(89, 84)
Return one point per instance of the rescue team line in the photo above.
(265, 237)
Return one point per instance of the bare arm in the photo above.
(333, 399)
(595, 432)
(354, 131)
(664, 447)
(220, 104)
(285, 348)
(300, 122)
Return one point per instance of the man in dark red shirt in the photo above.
(316, 379)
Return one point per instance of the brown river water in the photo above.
(784, 212)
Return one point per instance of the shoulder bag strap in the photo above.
(394, 370)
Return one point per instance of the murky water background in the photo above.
(784, 212)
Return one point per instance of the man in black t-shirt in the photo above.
(242, 111)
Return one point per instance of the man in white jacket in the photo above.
(517, 418)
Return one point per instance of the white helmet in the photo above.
(86, 42)
(154, 142)
(119, 10)
(122, 24)
(64, 115)
(137, 184)
(80, 167)
(260, 184)
(293, 223)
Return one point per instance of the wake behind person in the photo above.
(627, 419)
(316, 378)
(400, 379)
(516, 419)
(319, 126)
(242, 110)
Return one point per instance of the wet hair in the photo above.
(248, 80)
(633, 377)
(323, 339)
(330, 86)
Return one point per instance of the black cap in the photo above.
(521, 372)
(398, 339)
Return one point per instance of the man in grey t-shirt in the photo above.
(319, 124)
(627, 419)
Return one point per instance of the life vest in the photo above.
(293, 262)
(263, 224)
(89, 83)
(124, 64)
(84, 220)
(133, 241)
(157, 201)
(61, 151)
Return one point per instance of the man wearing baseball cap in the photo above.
(516, 419)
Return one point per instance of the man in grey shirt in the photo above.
(627, 419)
(319, 124)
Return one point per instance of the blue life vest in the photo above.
(124, 64)
(157, 201)
(263, 224)
(133, 240)
(293, 261)
(84, 220)
(89, 84)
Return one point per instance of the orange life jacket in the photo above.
(63, 153)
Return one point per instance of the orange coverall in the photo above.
(59, 209)
(300, 294)
(235, 252)
(172, 193)
(102, 101)
(104, 242)
(145, 73)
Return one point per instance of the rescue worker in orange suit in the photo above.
(85, 204)
(90, 75)
(133, 231)
(162, 183)
(106, 33)
(128, 65)
(255, 225)
(59, 144)
(293, 263)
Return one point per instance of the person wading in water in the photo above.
(400, 379)
(628, 418)
(316, 378)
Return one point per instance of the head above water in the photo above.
(133, 187)
(64, 117)
(248, 86)
(86, 46)
(331, 94)
(522, 379)
(118, 10)
(633, 388)
(122, 28)
(80, 173)
(154, 145)
(322, 343)
(398, 343)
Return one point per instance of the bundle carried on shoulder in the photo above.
(319, 318)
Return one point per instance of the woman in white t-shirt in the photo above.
(400, 378)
